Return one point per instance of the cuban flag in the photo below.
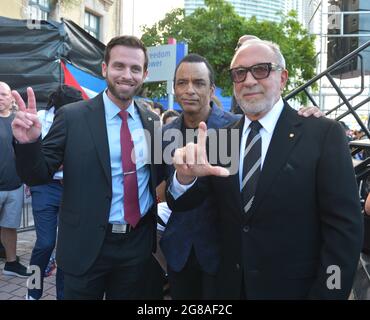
(89, 85)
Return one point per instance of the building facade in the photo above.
(101, 18)
(299, 7)
(261, 9)
(265, 9)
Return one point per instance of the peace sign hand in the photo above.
(26, 126)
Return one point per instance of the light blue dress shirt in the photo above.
(113, 121)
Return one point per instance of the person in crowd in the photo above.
(46, 198)
(157, 108)
(305, 111)
(2, 249)
(169, 116)
(347, 130)
(367, 205)
(290, 224)
(234, 105)
(11, 188)
(107, 219)
(190, 239)
(243, 39)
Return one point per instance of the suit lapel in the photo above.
(286, 134)
(151, 126)
(98, 129)
(146, 118)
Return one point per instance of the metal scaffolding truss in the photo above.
(327, 23)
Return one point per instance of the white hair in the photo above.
(273, 46)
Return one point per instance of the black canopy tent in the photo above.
(31, 54)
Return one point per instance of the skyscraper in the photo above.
(262, 9)
(265, 9)
(300, 6)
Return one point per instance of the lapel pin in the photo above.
(291, 135)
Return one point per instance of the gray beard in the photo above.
(255, 109)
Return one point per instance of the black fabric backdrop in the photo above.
(31, 51)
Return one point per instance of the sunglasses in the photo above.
(259, 71)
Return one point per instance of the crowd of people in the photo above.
(267, 221)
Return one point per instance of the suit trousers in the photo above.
(191, 283)
(45, 208)
(121, 270)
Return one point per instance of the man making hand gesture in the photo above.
(289, 218)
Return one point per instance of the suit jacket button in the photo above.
(102, 227)
(237, 266)
(246, 229)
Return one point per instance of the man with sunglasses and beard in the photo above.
(288, 205)
(107, 218)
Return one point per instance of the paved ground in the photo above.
(14, 288)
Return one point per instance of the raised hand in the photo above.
(26, 125)
(191, 161)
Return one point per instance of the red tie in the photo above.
(131, 198)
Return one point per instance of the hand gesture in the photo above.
(309, 111)
(191, 161)
(26, 125)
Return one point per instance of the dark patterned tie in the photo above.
(130, 187)
(251, 165)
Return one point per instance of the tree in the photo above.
(171, 26)
(296, 44)
(213, 32)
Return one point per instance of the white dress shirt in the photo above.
(46, 118)
(268, 123)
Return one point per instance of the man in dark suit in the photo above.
(190, 243)
(107, 216)
(288, 209)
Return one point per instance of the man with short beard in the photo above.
(291, 224)
(107, 218)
